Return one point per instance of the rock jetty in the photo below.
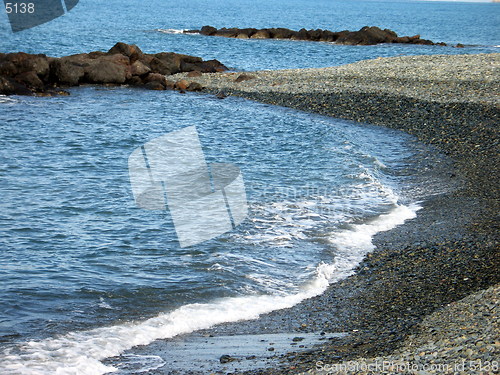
(368, 35)
(27, 74)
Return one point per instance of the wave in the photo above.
(171, 31)
(7, 99)
(282, 222)
(82, 352)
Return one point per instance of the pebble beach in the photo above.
(441, 78)
(428, 294)
(461, 338)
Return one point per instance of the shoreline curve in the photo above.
(421, 269)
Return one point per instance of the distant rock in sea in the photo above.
(27, 74)
(368, 35)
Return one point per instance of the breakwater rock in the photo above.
(368, 35)
(27, 74)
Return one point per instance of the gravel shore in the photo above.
(441, 78)
(462, 338)
(401, 304)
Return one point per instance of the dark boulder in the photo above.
(195, 86)
(135, 81)
(402, 39)
(246, 33)
(30, 80)
(210, 66)
(96, 54)
(315, 35)
(154, 85)
(53, 92)
(161, 66)
(228, 33)
(262, 34)
(131, 51)
(7, 67)
(154, 80)
(109, 69)
(69, 70)
(208, 30)
(12, 64)
(367, 36)
(390, 33)
(138, 68)
(170, 85)
(9, 86)
(221, 95)
(156, 77)
(171, 63)
(328, 36)
(281, 33)
(244, 77)
(182, 85)
(302, 34)
(188, 58)
(226, 359)
(375, 35)
(426, 42)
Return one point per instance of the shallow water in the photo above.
(79, 254)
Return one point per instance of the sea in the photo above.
(86, 274)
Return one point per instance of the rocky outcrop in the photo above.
(366, 36)
(27, 74)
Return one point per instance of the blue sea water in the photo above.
(86, 275)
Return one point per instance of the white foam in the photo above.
(281, 223)
(7, 99)
(82, 352)
(103, 304)
(171, 31)
(379, 164)
(354, 243)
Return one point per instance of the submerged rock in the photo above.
(226, 359)
(244, 77)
